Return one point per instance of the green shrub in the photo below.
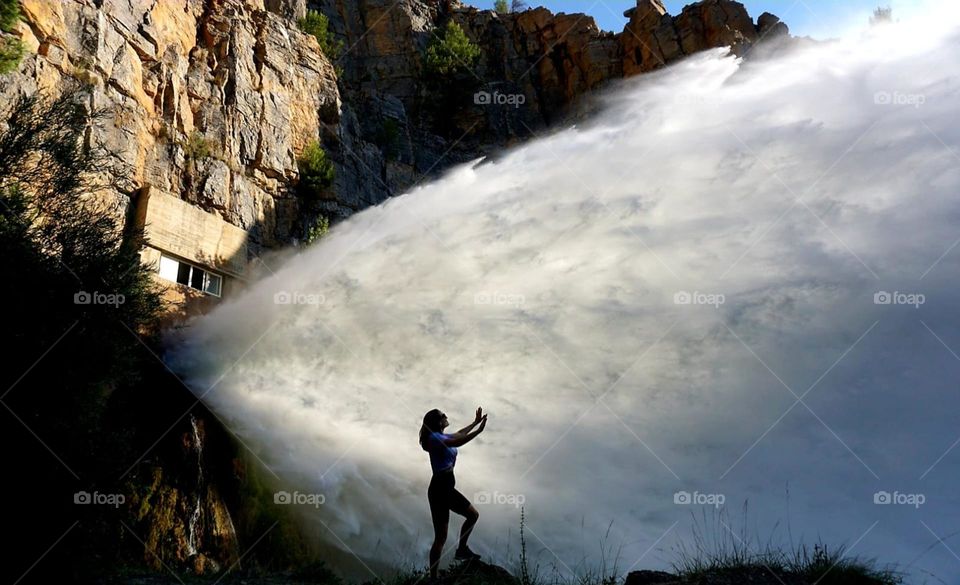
(11, 53)
(317, 24)
(501, 6)
(453, 52)
(449, 81)
(9, 14)
(318, 230)
(316, 170)
(49, 178)
(11, 49)
(197, 147)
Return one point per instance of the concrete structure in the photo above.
(198, 257)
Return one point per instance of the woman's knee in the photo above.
(473, 513)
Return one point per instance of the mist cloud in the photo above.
(638, 303)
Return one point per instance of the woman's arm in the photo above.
(470, 426)
(462, 439)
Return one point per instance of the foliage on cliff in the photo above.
(11, 49)
(317, 24)
(450, 80)
(450, 52)
(11, 53)
(59, 228)
(316, 171)
(75, 295)
(9, 14)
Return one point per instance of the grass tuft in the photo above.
(718, 551)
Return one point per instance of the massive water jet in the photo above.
(738, 278)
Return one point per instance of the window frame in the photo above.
(206, 275)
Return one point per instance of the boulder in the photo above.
(769, 26)
(652, 39)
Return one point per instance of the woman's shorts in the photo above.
(444, 497)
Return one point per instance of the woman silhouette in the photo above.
(442, 494)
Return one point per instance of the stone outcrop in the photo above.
(653, 38)
(769, 26)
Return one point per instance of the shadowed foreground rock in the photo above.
(468, 573)
(476, 572)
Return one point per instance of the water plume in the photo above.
(740, 278)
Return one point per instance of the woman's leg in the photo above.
(440, 513)
(439, 538)
(461, 505)
(472, 515)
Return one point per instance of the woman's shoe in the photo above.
(465, 554)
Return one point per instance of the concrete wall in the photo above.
(175, 226)
(181, 230)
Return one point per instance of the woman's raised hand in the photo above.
(479, 415)
(483, 423)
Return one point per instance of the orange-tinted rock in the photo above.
(243, 78)
(653, 38)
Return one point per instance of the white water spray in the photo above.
(739, 278)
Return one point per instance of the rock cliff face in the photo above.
(654, 38)
(213, 100)
(210, 101)
(554, 62)
(182, 515)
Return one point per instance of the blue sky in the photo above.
(817, 18)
